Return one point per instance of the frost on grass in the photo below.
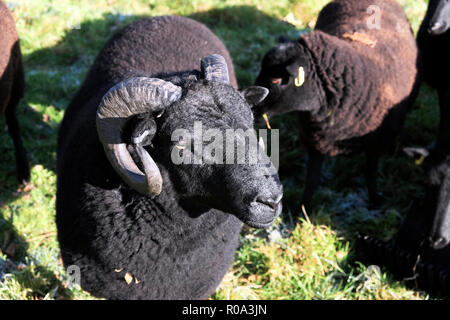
(350, 211)
(352, 204)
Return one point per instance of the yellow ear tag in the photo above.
(301, 77)
(266, 118)
(420, 160)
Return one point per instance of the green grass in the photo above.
(314, 260)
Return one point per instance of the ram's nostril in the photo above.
(270, 202)
(438, 243)
(436, 27)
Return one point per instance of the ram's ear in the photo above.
(292, 69)
(417, 153)
(297, 71)
(254, 94)
(141, 129)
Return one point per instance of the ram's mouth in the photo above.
(259, 225)
(262, 214)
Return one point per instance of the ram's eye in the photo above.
(276, 81)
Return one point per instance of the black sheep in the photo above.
(433, 40)
(171, 232)
(12, 86)
(349, 82)
(419, 254)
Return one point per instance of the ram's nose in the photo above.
(272, 202)
(263, 210)
(439, 243)
(437, 28)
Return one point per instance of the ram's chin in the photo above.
(257, 224)
(260, 216)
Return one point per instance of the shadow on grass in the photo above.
(36, 279)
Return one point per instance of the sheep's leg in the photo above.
(16, 90)
(22, 167)
(315, 161)
(371, 173)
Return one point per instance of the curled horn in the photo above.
(126, 99)
(214, 67)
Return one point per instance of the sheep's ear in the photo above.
(292, 69)
(254, 94)
(297, 71)
(142, 129)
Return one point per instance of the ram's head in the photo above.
(202, 133)
(440, 19)
(287, 72)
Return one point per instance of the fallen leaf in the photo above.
(21, 267)
(28, 188)
(128, 278)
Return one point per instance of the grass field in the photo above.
(314, 260)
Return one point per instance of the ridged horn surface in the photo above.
(124, 100)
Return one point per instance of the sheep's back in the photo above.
(155, 45)
(390, 49)
(8, 36)
(146, 47)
